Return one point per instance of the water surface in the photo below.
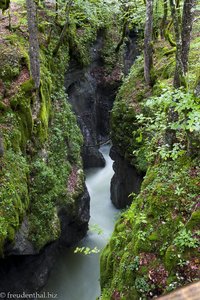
(76, 276)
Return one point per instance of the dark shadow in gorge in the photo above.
(92, 91)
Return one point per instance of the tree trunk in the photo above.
(60, 41)
(1, 146)
(122, 37)
(187, 22)
(182, 51)
(56, 18)
(33, 42)
(164, 19)
(170, 135)
(148, 48)
(179, 79)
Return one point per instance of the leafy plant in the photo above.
(142, 286)
(154, 123)
(186, 239)
(96, 228)
(86, 250)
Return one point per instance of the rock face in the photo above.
(74, 227)
(21, 245)
(91, 93)
(131, 50)
(24, 270)
(125, 181)
(27, 273)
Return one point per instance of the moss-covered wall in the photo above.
(39, 151)
(155, 244)
(40, 162)
(40, 142)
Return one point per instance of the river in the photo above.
(76, 276)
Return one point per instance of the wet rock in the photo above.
(90, 153)
(21, 244)
(74, 226)
(131, 50)
(125, 181)
(92, 93)
(28, 273)
(92, 158)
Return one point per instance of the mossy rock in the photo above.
(27, 86)
(14, 194)
(171, 258)
(9, 63)
(194, 221)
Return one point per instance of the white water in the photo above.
(76, 276)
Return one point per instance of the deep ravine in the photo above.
(76, 276)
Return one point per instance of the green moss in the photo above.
(14, 194)
(12, 59)
(171, 258)
(20, 103)
(9, 63)
(125, 133)
(153, 236)
(3, 107)
(27, 86)
(51, 169)
(142, 246)
(169, 52)
(194, 221)
(106, 266)
(168, 69)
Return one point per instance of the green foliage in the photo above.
(9, 63)
(124, 125)
(142, 286)
(86, 18)
(185, 239)
(96, 228)
(133, 13)
(4, 4)
(86, 250)
(154, 123)
(90, 13)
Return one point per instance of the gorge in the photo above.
(101, 76)
(91, 91)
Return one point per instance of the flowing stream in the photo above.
(76, 276)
